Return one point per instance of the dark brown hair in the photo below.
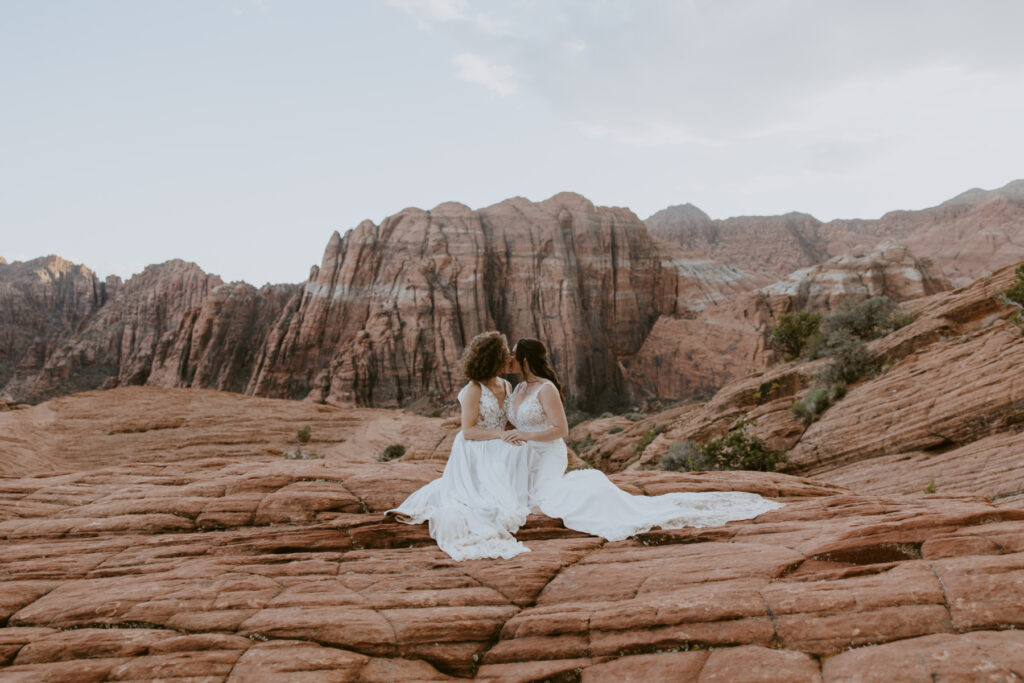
(485, 357)
(535, 355)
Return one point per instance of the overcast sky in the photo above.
(240, 133)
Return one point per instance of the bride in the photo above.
(494, 477)
(481, 498)
(586, 500)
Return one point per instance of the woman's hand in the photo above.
(513, 436)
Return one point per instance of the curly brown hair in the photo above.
(486, 356)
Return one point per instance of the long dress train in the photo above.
(480, 500)
(587, 501)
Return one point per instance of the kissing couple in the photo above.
(496, 476)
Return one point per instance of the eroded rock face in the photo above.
(238, 566)
(946, 412)
(694, 356)
(385, 317)
(171, 325)
(773, 245)
(969, 236)
(42, 303)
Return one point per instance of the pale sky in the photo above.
(240, 134)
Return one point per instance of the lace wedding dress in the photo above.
(587, 501)
(480, 500)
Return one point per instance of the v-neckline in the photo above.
(527, 393)
(499, 401)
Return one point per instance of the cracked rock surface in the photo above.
(212, 564)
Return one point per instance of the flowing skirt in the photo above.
(477, 504)
(587, 501)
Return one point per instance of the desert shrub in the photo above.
(615, 429)
(1015, 297)
(583, 445)
(395, 450)
(794, 332)
(869, 319)
(647, 438)
(931, 486)
(305, 434)
(684, 456)
(436, 412)
(737, 450)
(811, 407)
(851, 360)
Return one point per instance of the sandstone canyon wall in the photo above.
(171, 325)
(968, 236)
(695, 355)
(385, 317)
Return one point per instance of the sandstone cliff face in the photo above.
(948, 408)
(171, 325)
(968, 236)
(218, 561)
(774, 245)
(693, 356)
(385, 317)
(42, 303)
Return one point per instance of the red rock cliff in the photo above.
(387, 314)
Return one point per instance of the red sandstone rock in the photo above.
(384, 318)
(693, 357)
(336, 592)
(969, 236)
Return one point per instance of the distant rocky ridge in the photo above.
(385, 317)
(382, 321)
(684, 357)
(968, 236)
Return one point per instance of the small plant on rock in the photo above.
(811, 407)
(1014, 296)
(395, 450)
(737, 450)
(794, 333)
(305, 434)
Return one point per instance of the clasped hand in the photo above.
(513, 436)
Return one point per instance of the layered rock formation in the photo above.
(947, 409)
(232, 565)
(171, 325)
(774, 245)
(694, 356)
(968, 236)
(42, 303)
(385, 317)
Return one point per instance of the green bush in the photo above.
(647, 438)
(615, 429)
(305, 434)
(395, 450)
(1015, 296)
(794, 332)
(811, 407)
(869, 319)
(851, 360)
(737, 450)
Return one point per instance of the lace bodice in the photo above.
(525, 410)
(492, 413)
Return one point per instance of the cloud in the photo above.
(498, 79)
(680, 72)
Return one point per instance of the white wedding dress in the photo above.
(587, 501)
(488, 488)
(480, 500)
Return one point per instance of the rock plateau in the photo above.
(212, 558)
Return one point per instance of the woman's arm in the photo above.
(553, 410)
(470, 413)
